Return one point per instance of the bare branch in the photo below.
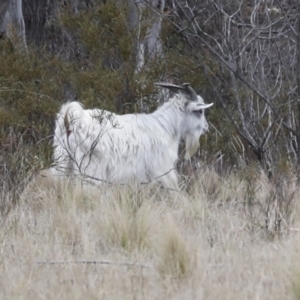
(93, 262)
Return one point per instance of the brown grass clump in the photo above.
(173, 257)
(72, 241)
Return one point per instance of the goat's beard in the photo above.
(191, 145)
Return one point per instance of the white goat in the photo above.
(105, 147)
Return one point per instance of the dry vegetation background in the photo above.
(223, 239)
(232, 232)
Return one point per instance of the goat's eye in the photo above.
(199, 112)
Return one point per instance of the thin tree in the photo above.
(12, 24)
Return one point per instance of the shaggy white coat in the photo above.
(105, 147)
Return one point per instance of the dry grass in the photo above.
(232, 237)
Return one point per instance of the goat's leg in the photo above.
(170, 180)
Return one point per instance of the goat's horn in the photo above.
(190, 91)
(172, 87)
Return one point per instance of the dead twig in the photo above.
(93, 262)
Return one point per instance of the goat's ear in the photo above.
(193, 106)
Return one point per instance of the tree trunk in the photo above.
(3, 10)
(149, 46)
(298, 95)
(12, 24)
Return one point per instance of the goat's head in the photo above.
(194, 123)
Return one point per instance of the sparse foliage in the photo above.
(255, 44)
